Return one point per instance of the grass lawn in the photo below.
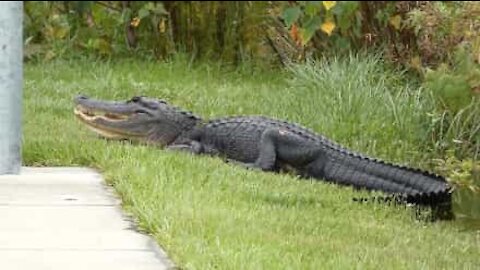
(207, 214)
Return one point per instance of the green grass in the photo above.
(207, 214)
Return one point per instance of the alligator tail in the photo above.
(412, 185)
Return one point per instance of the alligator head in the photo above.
(138, 119)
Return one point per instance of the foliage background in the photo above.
(436, 41)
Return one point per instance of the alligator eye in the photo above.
(135, 99)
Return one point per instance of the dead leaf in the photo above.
(295, 34)
(416, 63)
(135, 22)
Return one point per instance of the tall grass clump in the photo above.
(365, 105)
(370, 108)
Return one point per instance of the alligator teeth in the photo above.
(85, 115)
(116, 116)
(89, 113)
(92, 115)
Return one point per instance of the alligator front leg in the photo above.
(192, 147)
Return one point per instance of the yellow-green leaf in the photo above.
(395, 21)
(103, 46)
(135, 22)
(161, 26)
(328, 27)
(416, 63)
(49, 55)
(329, 4)
(61, 32)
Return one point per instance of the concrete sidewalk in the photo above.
(67, 218)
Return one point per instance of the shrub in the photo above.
(442, 27)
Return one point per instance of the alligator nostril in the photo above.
(81, 97)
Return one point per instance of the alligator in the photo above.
(262, 143)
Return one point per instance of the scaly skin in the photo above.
(263, 143)
(269, 144)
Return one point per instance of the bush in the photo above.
(465, 175)
(230, 31)
(456, 120)
(442, 27)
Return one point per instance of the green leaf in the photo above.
(357, 27)
(149, 6)
(82, 6)
(338, 10)
(143, 12)
(311, 26)
(160, 9)
(345, 14)
(311, 8)
(349, 7)
(126, 15)
(343, 43)
(344, 22)
(291, 14)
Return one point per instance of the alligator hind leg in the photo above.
(281, 145)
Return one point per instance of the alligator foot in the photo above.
(248, 166)
(193, 148)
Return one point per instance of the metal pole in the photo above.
(11, 82)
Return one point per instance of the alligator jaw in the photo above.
(103, 123)
(89, 115)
